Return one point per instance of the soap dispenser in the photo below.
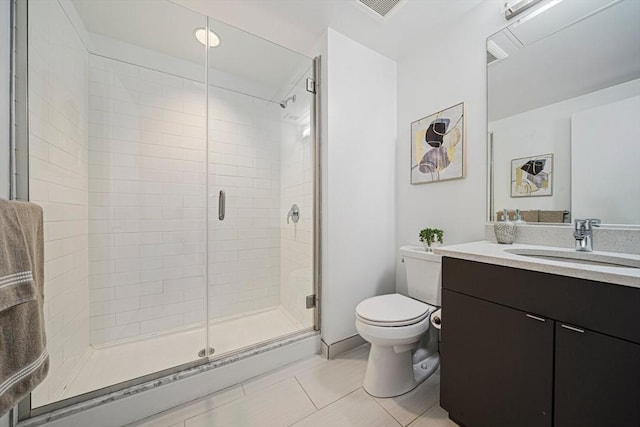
(505, 230)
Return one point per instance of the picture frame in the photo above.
(438, 146)
(532, 176)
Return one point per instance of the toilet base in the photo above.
(391, 374)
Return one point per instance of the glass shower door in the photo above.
(261, 193)
(117, 159)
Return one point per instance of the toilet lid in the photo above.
(392, 310)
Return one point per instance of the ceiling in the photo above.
(242, 62)
(250, 64)
(296, 24)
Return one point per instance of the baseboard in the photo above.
(330, 351)
(138, 402)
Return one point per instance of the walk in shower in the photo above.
(175, 159)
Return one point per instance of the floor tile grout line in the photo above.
(280, 370)
(305, 392)
(267, 386)
(208, 396)
(326, 406)
(437, 402)
(213, 409)
(375, 399)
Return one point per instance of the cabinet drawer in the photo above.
(602, 307)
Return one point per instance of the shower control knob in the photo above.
(293, 214)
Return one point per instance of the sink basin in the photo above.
(589, 258)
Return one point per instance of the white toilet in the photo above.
(404, 349)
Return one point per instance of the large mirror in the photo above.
(564, 113)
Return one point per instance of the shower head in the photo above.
(284, 103)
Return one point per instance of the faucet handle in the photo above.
(593, 222)
(580, 224)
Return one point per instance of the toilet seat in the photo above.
(392, 310)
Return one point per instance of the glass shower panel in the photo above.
(261, 204)
(118, 161)
(297, 175)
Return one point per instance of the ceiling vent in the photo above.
(379, 8)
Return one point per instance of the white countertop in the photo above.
(494, 253)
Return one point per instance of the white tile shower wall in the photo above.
(147, 197)
(58, 148)
(296, 264)
(244, 162)
(147, 201)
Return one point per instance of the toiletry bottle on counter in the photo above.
(518, 218)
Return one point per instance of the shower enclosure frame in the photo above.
(19, 190)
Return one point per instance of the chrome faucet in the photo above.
(583, 233)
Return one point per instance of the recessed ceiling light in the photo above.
(201, 35)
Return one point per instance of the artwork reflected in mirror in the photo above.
(531, 176)
(437, 146)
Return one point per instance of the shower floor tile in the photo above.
(117, 363)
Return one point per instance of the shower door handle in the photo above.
(221, 205)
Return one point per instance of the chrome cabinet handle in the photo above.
(573, 328)
(221, 205)
(539, 319)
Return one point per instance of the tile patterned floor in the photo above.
(312, 392)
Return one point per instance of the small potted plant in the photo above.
(428, 236)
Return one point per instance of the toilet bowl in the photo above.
(392, 369)
(404, 348)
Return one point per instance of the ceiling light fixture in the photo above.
(538, 11)
(201, 35)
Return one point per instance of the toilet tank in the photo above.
(424, 274)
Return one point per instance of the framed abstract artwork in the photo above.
(437, 146)
(532, 176)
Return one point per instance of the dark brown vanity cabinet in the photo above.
(597, 379)
(495, 376)
(524, 348)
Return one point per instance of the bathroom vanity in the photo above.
(537, 342)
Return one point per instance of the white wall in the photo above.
(359, 134)
(5, 71)
(546, 130)
(450, 69)
(58, 179)
(604, 166)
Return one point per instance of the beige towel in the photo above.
(530, 216)
(24, 361)
(551, 216)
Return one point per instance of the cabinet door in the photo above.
(496, 364)
(597, 380)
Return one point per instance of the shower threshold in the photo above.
(118, 363)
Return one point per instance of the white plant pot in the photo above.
(430, 248)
